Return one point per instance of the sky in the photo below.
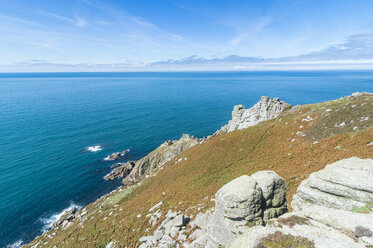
(141, 35)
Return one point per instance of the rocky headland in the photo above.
(265, 109)
(302, 178)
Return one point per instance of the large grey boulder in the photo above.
(241, 204)
(274, 193)
(296, 226)
(346, 184)
(237, 203)
(340, 196)
(265, 109)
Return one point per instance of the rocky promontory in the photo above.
(134, 170)
(265, 109)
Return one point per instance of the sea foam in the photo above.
(48, 222)
(96, 148)
(17, 244)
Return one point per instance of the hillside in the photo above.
(302, 140)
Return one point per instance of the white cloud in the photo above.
(76, 20)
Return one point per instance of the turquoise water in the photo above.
(48, 120)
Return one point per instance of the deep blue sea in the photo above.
(48, 120)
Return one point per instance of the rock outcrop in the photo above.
(345, 185)
(340, 196)
(266, 109)
(294, 230)
(160, 156)
(114, 156)
(120, 170)
(245, 202)
(332, 208)
(69, 217)
(170, 228)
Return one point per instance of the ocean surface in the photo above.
(48, 121)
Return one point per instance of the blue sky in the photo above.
(73, 35)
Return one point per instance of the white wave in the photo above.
(125, 152)
(96, 148)
(48, 222)
(17, 244)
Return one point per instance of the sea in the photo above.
(57, 128)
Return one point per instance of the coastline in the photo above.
(151, 164)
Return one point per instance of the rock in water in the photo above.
(120, 170)
(266, 109)
(114, 156)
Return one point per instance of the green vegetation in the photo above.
(368, 208)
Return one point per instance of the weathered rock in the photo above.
(179, 220)
(144, 239)
(274, 193)
(200, 242)
(160, 156)
(313, 233)
(335, 195)
(174, 231)
(240, 204)
(114, 156)
(266, 109)
(196, 234)
(158, 234)
(201, 220)
(110, 245)
(65, 218)
(361, 231)
(345, 185)
(121, 170)
(156, 206)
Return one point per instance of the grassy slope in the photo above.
(193, 182)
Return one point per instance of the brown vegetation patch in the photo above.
(280, 240)
(293, 220)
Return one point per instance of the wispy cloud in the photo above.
(244, 33)
(76, 20)
(358, 46)
(7, 18)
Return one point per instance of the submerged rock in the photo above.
(266, 109)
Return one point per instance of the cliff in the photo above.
(265, 109)
(175, 203)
